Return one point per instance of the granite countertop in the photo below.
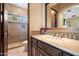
(68, 45)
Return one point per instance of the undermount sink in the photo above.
(54, 37)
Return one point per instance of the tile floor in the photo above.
(17, 52)
(14, 50)
(12, 45)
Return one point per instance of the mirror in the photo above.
(62, 15)
(71, 16)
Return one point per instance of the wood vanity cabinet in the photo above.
(37, 51)
(48, 49)
(34, 50)
(40, 48)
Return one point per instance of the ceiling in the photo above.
(51, 5)
(72, 12)
(21, 5)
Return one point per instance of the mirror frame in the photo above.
(46, 4)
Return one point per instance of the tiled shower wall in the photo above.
(15, 34)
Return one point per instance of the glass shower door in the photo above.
(23, 28)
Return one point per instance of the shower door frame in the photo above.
(3, 40)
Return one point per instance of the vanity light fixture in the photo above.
(52, 11)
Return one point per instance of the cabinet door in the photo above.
(34, 50)
(42, 53)
(39, 53)
(52, 51)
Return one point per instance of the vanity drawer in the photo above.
(42, 53)
(34, 50)
(49, 49)
(34, 40)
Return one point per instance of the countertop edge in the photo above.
(59, 47)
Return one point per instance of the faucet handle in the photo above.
(54, 34)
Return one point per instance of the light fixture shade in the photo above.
(52, 11)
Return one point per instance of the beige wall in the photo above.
(36, 16)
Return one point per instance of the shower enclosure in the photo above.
(13, 26)
(16, 24)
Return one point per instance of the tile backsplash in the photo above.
(72, 34)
